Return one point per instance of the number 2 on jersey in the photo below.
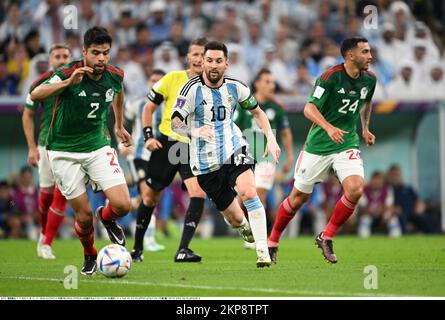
(95, 106)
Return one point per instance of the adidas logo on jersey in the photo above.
(117, 170)
(341, 90)
(203, 103)
(82, 94)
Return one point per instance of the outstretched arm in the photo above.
(28, 128)
(263, 123)
(118, 107)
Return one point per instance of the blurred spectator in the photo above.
(377, 208)
(314, 44)
(383, 70)
(87, 17)
(287, 48)
(142, 49)
(166, 58)
(421, 64)
(331, 20)
(403, 87)
(178, 40)
(8, 82)
(390, 48)
(433, 88)
(278, 68)
(13, 25)
(401, 17)
(25, 196)
(254, 47)
(19, 63)
(237, 64)
(302, 13)
(32, 43)
(39, 65)
(160, 22)
(7, 209)
(219, 32)
(423, 33)
(73, 41)
(134, 80)
(407, 204)
(234, 26)
(49, 17)
(125, 32)
(196, 23)
(303, 83)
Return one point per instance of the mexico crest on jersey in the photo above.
(109, 95)
(363, 93)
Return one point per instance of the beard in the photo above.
(98, 70)
(214, 79)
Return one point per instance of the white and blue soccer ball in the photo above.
(114, 261)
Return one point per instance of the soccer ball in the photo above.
(114, 261)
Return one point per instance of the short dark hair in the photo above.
(350, 43)
(260, 73)
(158, 71)
(96, 35)
(199, 42)
(216, 45)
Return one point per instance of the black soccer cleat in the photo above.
(327, 248)
(187, 255)
(115, 232)
(273, 254)
(137, 256)
(89, 267)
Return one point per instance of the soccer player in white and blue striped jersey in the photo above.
(219, 154)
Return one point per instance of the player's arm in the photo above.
(28, 128)
(55, 84)
(365, 117)
(151, 143)
(263, 123)
(287, 140)
(118, 108)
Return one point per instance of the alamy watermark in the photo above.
(71, 281)
(371, 279)
(371, 19)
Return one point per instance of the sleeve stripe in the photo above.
(325, 76)
(115, 70)
(42, 78)
(188, 85)
(68, 71)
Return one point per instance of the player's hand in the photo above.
(125, 150)
(336, 134)
(33, 156)
(124, 136)
(369, 137)
(77, 75)
(274, 149)
(153, 144)
(205, 132)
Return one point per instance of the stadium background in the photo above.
(297, 40)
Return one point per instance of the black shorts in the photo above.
(138, 169)
(219, 185)
(165, 162)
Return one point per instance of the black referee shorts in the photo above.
(165, 162)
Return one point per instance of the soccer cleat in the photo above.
(137, 256)
(187, 255)
(153, 247)
(246, 233)
(115, 232)
(327, 248)
(89, 266)
(46, 252)
(273, 254)
(39, 244)
(263, 258)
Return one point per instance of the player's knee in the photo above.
(150, 199)
(354, 194)
(84, 218)
(122, 207)
(197, 193)
(298, 198)
(248, 193)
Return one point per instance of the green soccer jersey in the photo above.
(255, 137)
(339, 98)
(47, 106)
(79, 120)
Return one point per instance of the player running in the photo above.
(161, 168)
(78, 141)
(137, 157)
(265, 168)
(218, 152)
(52, 203)
(340, 95)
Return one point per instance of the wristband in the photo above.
(148, 133)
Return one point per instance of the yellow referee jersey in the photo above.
(167, 90)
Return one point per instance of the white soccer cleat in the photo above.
(46, 252)
(39, 244)
(153, 247)
(263, 258)
(246, 233)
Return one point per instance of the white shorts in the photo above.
(311, 169)
(46, 176)
(73, 169)
(265, 175)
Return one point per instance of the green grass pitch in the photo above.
(409, 266)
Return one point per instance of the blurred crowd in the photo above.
(388, 206)
(296, 39)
